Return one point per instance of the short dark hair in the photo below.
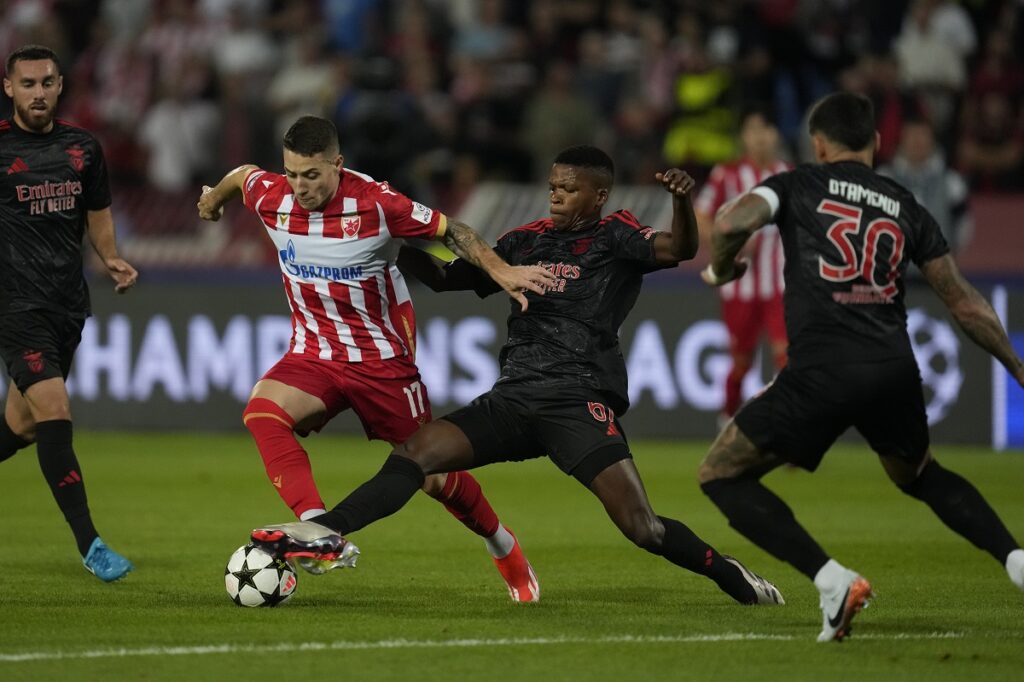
(29, 53)
(311, 135)
(594, 160)
(845, 118)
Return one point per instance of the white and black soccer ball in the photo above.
(255, 578)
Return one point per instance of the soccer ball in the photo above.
(255, 578)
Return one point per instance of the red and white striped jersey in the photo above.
(763, 279)
(349, 301)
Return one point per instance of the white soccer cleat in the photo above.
(767, 593)
(315, 548)
(840, 605)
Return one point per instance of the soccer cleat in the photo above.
(839, 606)
(313, 547)
(767, 593)
(518, 574)
(105, 563)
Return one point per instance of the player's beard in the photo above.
(37, 120)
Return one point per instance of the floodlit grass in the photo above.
(426, 603)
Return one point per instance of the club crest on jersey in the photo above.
(34, 360)
(581, 246)
(290, 264)
(350, 225)
(76, 155)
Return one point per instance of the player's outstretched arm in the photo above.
(734, 223)
(100, 226)
(213, 199)
(436, 273)
(972, 312)
(684, 240)
(465, 243)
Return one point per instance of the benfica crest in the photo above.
(34, 360)
(76, 155)
(350, 225)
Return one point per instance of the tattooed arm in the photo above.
(972, 312)
(465, 243)
(734, 223)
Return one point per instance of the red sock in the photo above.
(733, 390)
(466, 502)
(286, 462)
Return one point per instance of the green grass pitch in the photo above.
(426, 603)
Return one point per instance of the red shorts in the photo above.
(747, 320)
(387, 395)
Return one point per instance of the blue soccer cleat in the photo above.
(105, 563)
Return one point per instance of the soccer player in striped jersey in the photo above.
(751, 305)
(562, 387)
(337, 233)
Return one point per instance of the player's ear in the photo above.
(602, 196)
(878, 142)
(60, 84)
(8, 88)
(339, 162)
(820, 151)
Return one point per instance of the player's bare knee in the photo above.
(433, 485)
(420, 451)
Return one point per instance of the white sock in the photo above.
(310, 513)
(831, 576)
(501, 543)
(1015, 567)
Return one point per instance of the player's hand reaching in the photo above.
(676, 181)
(209, 208)
(518, 279)
(123, 274)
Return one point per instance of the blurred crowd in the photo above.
(437, 95)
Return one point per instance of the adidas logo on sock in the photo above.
(70, 479)
(18, 166)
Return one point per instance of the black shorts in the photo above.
(803, 411)
(38, 345)
(573, 426)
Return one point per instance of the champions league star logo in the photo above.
(937, 350)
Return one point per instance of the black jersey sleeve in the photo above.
(95, 184)
(631, 241)
(928, 243)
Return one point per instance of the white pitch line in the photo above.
(434, 644)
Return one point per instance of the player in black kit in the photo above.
(53, 190)
(562, 387)
(849, 236)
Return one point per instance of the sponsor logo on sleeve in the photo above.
(421, 213)
(253, 177)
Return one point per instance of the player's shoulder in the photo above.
(621, 217)
(261, 175)
(72, 130)
(532, 229)
(357, 184)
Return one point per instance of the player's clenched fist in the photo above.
(676, 181)
(209, 208)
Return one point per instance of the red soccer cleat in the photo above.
(518, 574)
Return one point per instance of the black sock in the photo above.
(682, 547)
(10, 442)
(61, 471)
(383, 495)
(761, 516)
(962, 508)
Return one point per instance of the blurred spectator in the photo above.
(302, 85)
(920, 166)
(180, 135)
(991, 149)
(932, 59)
(894, 104)
(556, 118)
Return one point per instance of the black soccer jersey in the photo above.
(47, 183)
(570, 335)
(848, 236)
